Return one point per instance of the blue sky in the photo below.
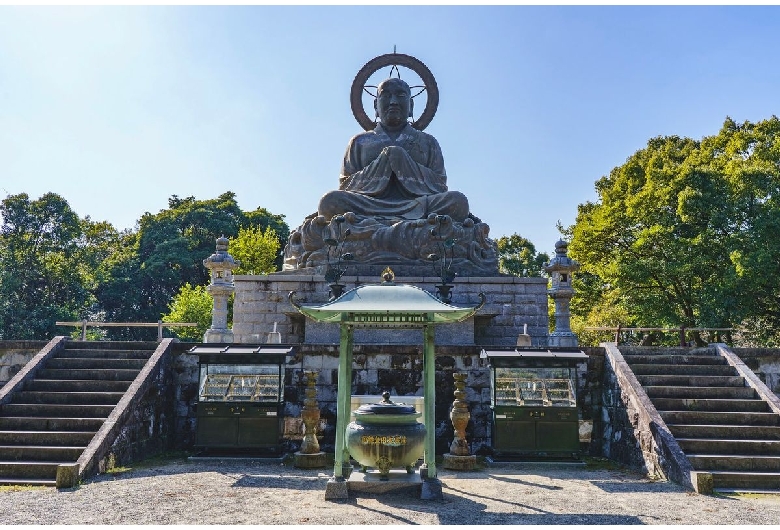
(118, 108)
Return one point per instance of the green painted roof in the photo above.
(388, 305)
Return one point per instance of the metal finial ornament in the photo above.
(388, 275)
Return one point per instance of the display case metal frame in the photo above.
(534, 402)
(240, 396)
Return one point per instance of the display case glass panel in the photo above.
(534, 387)
(236, 382)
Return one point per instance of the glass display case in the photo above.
(247, 382)
(534, 402)
(240, 396)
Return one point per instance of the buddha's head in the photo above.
(393, 103)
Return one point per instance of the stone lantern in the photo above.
(220, 265)
(560, 269)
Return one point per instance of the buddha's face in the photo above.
(393, 102)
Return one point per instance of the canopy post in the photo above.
(429, 393)
(343, 400)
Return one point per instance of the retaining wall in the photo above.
(14, 354)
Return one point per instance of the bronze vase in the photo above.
(310, 416)
(460, 416)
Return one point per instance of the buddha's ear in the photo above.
(411, 108)
(376, 108)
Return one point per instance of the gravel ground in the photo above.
(198, 492)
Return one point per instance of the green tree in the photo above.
(256, 250)
(190, 304)
(518, 256)
(684, 230)
(166, 251)
(43, 274)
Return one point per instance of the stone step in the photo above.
(104, 354)
(8, 481)
(30, 423)
(720, 447)
(68, 398)
(689, 417)
(67, 363)
(734, 462)
(726, 432)
(56, 411)
(683, 369)
(750, 482)
(84, 374)
(632, 351)
(50, 438)
(30, 470)
(676, 359)
(711, 405)
(73, 385)
(690, 380)
(110, 345)
(701, 392)
(44, 453)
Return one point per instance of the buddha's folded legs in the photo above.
(452, 203)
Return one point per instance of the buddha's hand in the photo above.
(398, 158)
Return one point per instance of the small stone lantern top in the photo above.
(561, 266)
(220, 263)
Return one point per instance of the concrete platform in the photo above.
(372, 482)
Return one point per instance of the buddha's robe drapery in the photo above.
(370, 187)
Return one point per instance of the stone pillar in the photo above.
(460, 456)
(310, 455)
(220, 265)
(560, 269)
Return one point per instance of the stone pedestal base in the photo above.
(336, 489)
(431, 490)
(514, 301)
(459, 463)
(218, 336)
(309, 461)
(562, 339)
(373, 482)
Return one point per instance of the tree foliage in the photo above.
(190, 304)
(44, 266)
(167, 251)
(683, 232)
(255, 249)
(56, 266)
(518, 256)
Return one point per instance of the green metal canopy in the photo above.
(387, 305)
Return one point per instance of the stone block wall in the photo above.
(14, 355)
(512, 302)
(147, 429)
(765, 362)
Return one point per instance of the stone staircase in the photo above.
(719, 421)
(53, 417)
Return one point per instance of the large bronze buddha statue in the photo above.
(393, 198)
(394, 170)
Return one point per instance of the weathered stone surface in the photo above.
(309, 461)
(459, 463)
(14, 355)
(493, 325)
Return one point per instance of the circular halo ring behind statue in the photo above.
(394, 59)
